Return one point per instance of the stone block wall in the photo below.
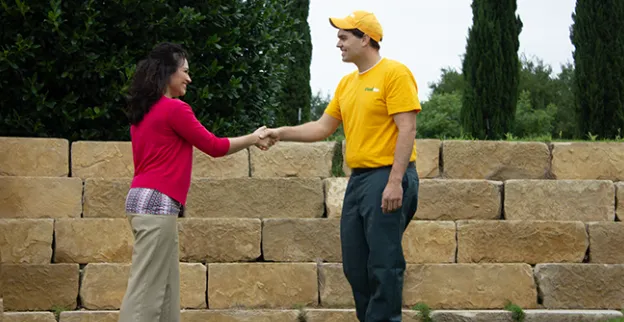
(532, 223)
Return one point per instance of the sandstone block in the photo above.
(583, 200)
(334, 195)
(104, 286)
(105, 198)
(40, 287)
(256, 198)
(240, 315)
(335, 291)
(606, 240)
(89, 316)
(33, 197)
(600, 285)
(495, 160)
(345, 167)
(571, 315)
(427, 158)
(98, 159)
(588, 160)
(219, 239)
(429, 242)
(293, 159)
(93, 240)
(443, 199)
(521, 241)
(26, 241)
(470, 286)
(34, 157)
(620, 200)
(1, 309)
(262, 285)
(230, 166)
(346, 315)
(471, 316)
(29, 317)
(301, 240)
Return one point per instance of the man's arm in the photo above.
(308, 132)
(392, 197)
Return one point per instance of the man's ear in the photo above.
(365, 40)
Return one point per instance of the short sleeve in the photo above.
(333, 108)
(402, 93)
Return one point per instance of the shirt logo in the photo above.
(371, 89)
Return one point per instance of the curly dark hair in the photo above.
(150, 80)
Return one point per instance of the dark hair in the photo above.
(358, 33)
(151, 78)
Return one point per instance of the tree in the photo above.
(296, 93)
(491, 69)
(597, 34)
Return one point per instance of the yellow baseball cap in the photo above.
(363, 20)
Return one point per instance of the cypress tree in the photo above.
(491, 70)
(296, 93)
(597, 34)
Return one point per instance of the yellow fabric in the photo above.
(365, 21)
(365, 104)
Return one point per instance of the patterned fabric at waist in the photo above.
(150, 201)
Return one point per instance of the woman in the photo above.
(164, 131)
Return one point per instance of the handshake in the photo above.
(265, 137)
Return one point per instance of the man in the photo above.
(377, 104)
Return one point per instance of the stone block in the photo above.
(230, 166)
(99, 159)
(262, 285)
(104, 286)
(105, 198)
(582, 200)
(34, 157)
(26, 241)
(334, 195)
(219, 239)
(429, 242)
(581, 286)
(93, 240)
(29, 317)
(301, 240)
(620, 200)
(444, 199)
(495, 160)
(35, 287)
(293, 159)
(471, 316)
(39, 197)
(571, 315)
(335, 291)
(588, 160)
(606, 240)
(529, 242)
(89, 316)
(256, 198)
(470, 286)
(240, 315)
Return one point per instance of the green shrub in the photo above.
(66, 65)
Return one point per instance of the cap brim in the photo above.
(340, 23)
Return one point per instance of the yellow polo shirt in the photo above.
(365, 103)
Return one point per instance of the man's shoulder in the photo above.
(396, 67)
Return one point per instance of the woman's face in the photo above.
(178, 81)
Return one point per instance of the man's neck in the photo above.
(367, 62)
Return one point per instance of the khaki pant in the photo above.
(153, 292)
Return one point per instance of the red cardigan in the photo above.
(162, 147)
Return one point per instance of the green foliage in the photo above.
(517, 314)
(491, 68)
(66, 65)
(318, 103)
(424, 312)
(439, 117)
(531, 121)
(296, 93)
(597, 34)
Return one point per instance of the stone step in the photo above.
(327, 315)
(285, 285)
(439, 199)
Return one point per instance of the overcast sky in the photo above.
(430, 35)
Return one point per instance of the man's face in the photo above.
(350, 45)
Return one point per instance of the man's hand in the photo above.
(266, 138)
(392, 197)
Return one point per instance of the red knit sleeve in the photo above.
(185, 124)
